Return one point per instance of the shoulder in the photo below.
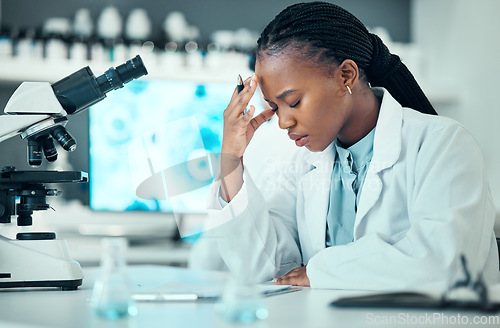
(426, 133)
(431, 126)
(398, 119)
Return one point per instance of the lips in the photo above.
(300, 139)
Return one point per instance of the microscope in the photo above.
(38, 112)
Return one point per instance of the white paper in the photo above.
(176, 291)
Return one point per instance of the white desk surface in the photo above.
(24, 308)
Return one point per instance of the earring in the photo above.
(348, 89)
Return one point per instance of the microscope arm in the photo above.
(13, 125)
(34, 98)
(29, 110)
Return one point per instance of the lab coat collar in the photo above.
(386, 152)
(387, 140)
(322, 158)
(315, 186)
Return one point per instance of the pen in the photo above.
(240, 87)
(165, 297)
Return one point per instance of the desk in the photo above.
(53, 308)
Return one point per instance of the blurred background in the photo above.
(193, 51)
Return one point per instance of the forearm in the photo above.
(244, 229)
(231, 176)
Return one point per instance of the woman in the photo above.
(383, 194)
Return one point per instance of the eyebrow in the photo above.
(285, 93)
(282, 95)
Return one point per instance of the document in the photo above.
(176, 291)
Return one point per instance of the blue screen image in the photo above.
(148, 126)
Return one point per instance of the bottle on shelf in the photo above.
(56, 34)
(83, 25)
(83, 29)
(6, 43)
(109, 28)
(78, 49)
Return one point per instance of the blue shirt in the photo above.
(349, 171)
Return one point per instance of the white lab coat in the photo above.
(425, 201)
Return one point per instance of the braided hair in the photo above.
(329, 33)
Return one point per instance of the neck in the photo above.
(363, 117)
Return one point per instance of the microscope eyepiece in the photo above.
(132, 69)
(82, 89)
(114, 78)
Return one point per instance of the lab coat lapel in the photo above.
(386, 151)
(316, 192)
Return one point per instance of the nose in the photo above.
(285, 119)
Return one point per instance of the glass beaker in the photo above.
(111, 296)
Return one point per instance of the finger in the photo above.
(267, 114)
(286, 280)
(257, 121)
(230, 107)
(278, 281)
(248, 114)
(295, 272)
(301, 280)
(240, 102)
(251, 81)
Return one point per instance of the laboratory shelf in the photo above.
(51, 70)
(15, 70)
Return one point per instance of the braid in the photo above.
(332, 34)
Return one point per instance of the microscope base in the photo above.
(63, 284)
(38, 263)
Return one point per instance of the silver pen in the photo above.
(165, 297)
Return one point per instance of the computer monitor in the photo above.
(150, 122)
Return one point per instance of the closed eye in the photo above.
(295, 105)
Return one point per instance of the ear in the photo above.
(349, 72)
